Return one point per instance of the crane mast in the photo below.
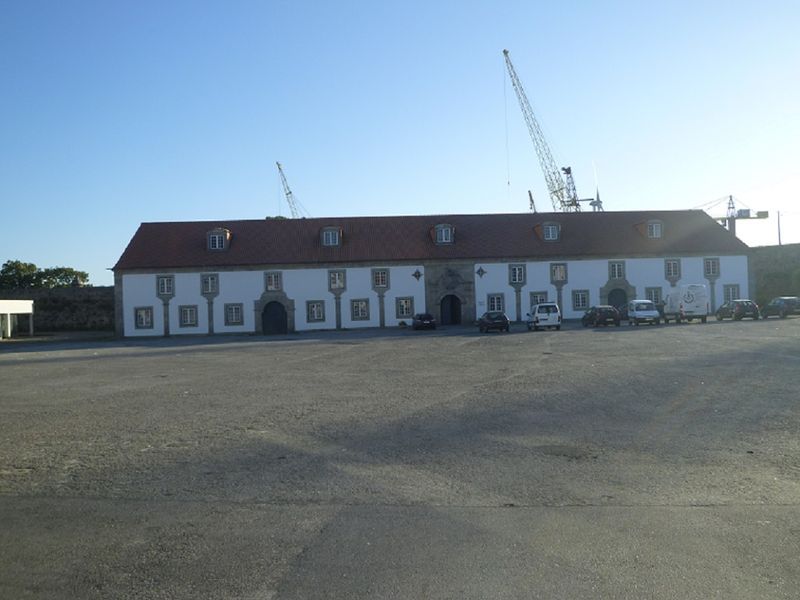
(288, 193)
(563, 195)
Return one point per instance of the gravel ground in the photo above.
(631, 462)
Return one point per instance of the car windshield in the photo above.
(644, 306)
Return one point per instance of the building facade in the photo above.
(280, 275)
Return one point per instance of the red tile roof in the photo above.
(384, 239)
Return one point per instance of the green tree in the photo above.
(18, 274)
(63, 277)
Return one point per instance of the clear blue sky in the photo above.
(115, 113)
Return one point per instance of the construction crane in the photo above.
(562, 192)
(733, 215)
(294, 207)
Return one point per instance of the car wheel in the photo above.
(558, 327)
(482, 329)
(508, 328)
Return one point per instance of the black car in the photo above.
(423, 321)
(493, 319)
(738, 310)
(601, 315)
(781, 306)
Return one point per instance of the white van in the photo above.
(643, 311)
(686, 303)
(546, 314)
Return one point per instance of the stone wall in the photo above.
(66, 309)
(775, 271)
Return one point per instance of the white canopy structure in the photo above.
(11, 308)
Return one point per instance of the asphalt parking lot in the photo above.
(631, 462)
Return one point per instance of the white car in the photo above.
(643, 311)
(546, 314)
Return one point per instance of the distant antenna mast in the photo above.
(533, 204)
(288, 193)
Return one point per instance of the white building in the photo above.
(279, 275)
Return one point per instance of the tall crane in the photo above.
(293, 206)
(562, 194)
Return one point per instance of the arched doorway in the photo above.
(450, 310)
(618, 297)
(274, 319)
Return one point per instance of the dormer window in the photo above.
(551, 232)
(654, 230)
(331, 236)
(218, 239)
(444, 234)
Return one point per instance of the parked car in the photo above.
(643, 311)
(782, 306)
(423, 321)
(493, 319)
(738, 310)
(600, 315)
(546, 314)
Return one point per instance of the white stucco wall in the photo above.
(592, 275)
(187, 293)
(247, 287)
(304, 285)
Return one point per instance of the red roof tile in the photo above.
(384, 239)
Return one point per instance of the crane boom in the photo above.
(288, 193)
(563, 196)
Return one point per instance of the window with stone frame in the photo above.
(336, 280)
(209, 283)
(653, 294)
(273, 281)
(405, 307)
(580, 299)
(730, 292)
(711, 267)
(143, 317)
(188, 315)
(234, 314)
(495, 302)
(558, 272)
(380, 278)
(165, 285)
(616, 269)
(538, 298)
(315, 311)
(359, 309)
(672, 268)
(516, 274)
